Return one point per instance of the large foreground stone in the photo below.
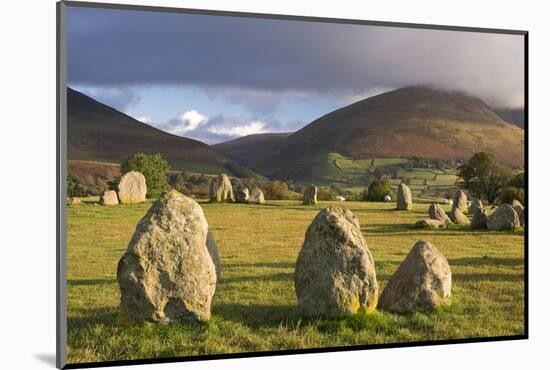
(437, 213)
(460, 201)
(132, 188)
(504, 218)
(310, 195)
(404, 197)
(256, 196)
(170, 269)
(335, 272)
(221, 189)
(422, 281)
(242, 195)
(458, 217)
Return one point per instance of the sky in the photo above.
(217, 78)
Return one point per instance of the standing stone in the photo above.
(242, 195)
(476, 204)
(108, 198)
(429, 224)
(520, 210)
(460, 201)
(479, 218)
(169, 271)
(423, 281)
(458, 217)
(132, 188)
(256, 196)
(404, 197)
(73, 200)
(310, 195)
(221, 189)
(335, 272)
(504, 218)
(437, 213)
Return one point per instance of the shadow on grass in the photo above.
(88, 282)
(485, 260)
(488, 277)
(93, 316)
(258, 315)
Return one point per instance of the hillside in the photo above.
(512, 115)
(249, 149)
(99, 133)
(416, 121)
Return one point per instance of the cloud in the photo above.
(185, 122)
(255, 127)
(146, 120)
(109, 47)
(120, 98)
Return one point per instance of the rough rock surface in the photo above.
(460, 201)
(520, 210)
(404, 197)
(221, 189)
(256, 196)
(429, 224)
(132, 188)
(169, 271)
(423, 281)
(335, 272)
(310, 195)
(476, 204)
(458, 217)
(108, 198)
(504, 218)
(479, 218)
(437, 213)
(242, 195)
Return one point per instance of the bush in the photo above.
(518, 181)
(276, 190)
(379, 189)
(153, 167)
(75, 189)
(508, 194)
(326, 194)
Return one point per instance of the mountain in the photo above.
(512, 115)
(99, 133)
(417, 121)
(251, 148)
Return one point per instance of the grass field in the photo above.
(255, 305)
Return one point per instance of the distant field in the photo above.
(255, 305)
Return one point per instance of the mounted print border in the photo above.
(361, 197)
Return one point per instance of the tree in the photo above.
(276, 190)
(153, 167)
(379, 189)
(484, 176)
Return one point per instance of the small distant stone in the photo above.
(429, 224)
(387, 198)
(242, 195)
(132, 188)
(458, 217)
(422, 282)
(404, 197)
(520, 210)
(437, 213)
(460, 201)
(256, 196)
(221, 189)
(310, 195)
(504, 218)
(108, 198)
(335, 272)
(73, 200)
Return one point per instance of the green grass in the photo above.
(255, 305)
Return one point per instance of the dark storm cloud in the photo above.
(120, 48)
